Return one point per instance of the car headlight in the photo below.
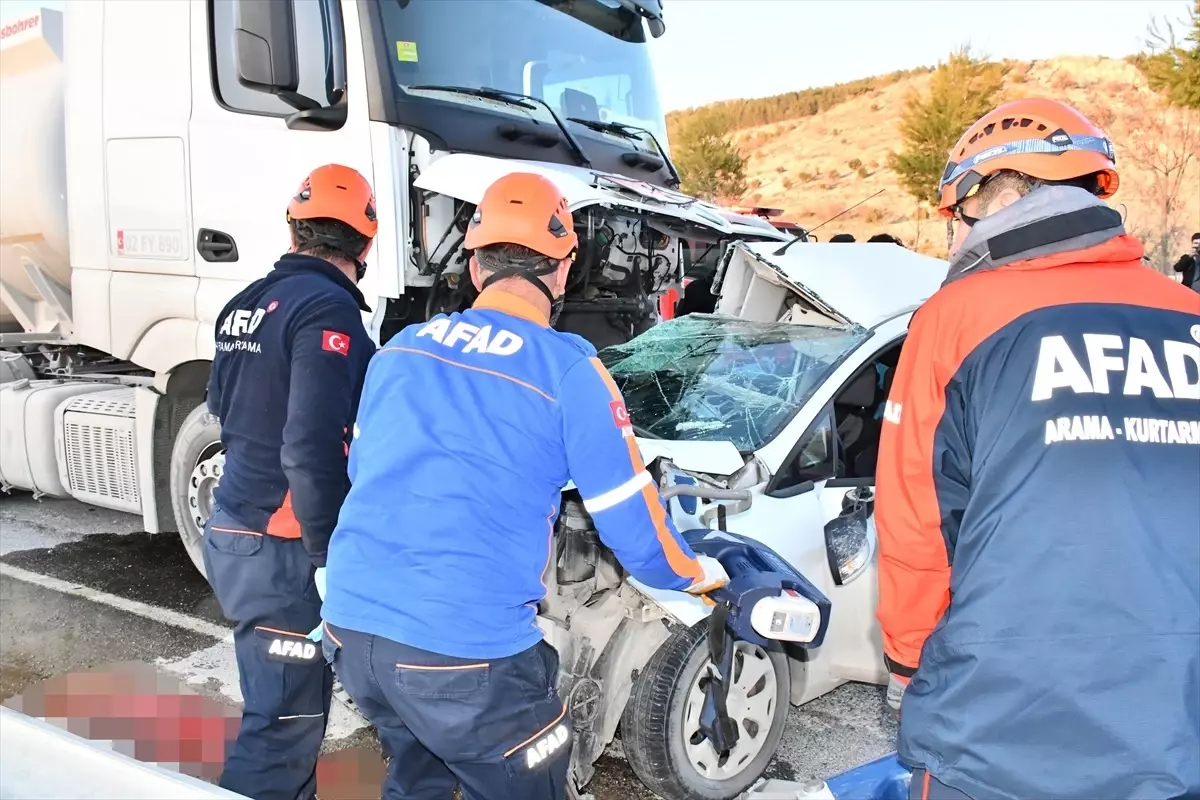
(848, 540)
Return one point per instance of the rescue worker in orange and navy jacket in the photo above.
(1039, 564)
(291, 356)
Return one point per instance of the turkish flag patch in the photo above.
(336, 342)
(620, 414)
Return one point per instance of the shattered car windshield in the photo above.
(709, 378)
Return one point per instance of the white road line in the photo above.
(161, 615)
(215, 662)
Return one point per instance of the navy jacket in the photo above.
(291, 354)
(1038, 519)
(471, 426)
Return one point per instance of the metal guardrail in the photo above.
(39, 761)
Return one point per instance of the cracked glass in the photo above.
(703, 377)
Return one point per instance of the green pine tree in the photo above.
(710, 166)
(1172, 69)
(961, 90)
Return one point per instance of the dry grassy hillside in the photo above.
(816, 166)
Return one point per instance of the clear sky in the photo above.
(721, 49)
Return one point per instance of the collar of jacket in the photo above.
(509, 303)
(1048, 221)
(299, 262)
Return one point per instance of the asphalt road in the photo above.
(94, 613)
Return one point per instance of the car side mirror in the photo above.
(858, 497)
(265, 46)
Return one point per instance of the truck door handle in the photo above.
(216, 246)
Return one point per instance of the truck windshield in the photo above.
(586, 58)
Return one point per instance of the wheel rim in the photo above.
(750, 704)
(204, 479)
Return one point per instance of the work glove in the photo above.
(714, 576)
(895, 690)
(319, 578)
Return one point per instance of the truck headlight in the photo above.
(848, 541)
(787, 617)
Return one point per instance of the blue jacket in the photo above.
(1039, 517)
(291, 354)
(470, 426)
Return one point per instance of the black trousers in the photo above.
(496, 727)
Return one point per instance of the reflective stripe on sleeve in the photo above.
(612, 497)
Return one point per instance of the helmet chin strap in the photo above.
(532, 275)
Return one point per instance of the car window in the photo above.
(815, 459)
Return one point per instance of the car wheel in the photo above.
(197, 461)
(660, 731)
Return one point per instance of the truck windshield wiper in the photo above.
(516, 99)
(632, 132)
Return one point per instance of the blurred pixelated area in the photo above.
(156, 718)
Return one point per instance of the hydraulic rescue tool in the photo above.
(765, 600)
(882, 779)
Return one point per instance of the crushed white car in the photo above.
(762, 423)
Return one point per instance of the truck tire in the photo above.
(659, 732)
(197, 460)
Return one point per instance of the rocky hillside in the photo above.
(814, 160)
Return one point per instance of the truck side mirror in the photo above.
(265, 46)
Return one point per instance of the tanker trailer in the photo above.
(35, 263)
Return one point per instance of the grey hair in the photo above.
(1006, 179)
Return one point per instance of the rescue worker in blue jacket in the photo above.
(470, 426)
(291, 354)
(1039, 554)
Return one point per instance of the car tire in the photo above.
(197, 458)
(654, 728)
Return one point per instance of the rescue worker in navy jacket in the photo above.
(1039, 558)
(470, 426)
(291, 354)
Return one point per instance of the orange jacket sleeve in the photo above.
(921, 491)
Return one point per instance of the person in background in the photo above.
(1188, 265)
(1039, 554)
(842, 237)
(885, 237)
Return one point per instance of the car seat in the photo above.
(858, 429)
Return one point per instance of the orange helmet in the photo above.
(1043, 139)
(525, 209)
(339, 193)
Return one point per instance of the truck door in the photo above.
(245, 162)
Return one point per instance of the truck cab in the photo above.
(148, 151)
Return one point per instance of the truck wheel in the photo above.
(660, 730)
(197, 460)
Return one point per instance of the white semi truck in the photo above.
(148, 150)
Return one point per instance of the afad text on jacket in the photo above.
(1039, 516)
